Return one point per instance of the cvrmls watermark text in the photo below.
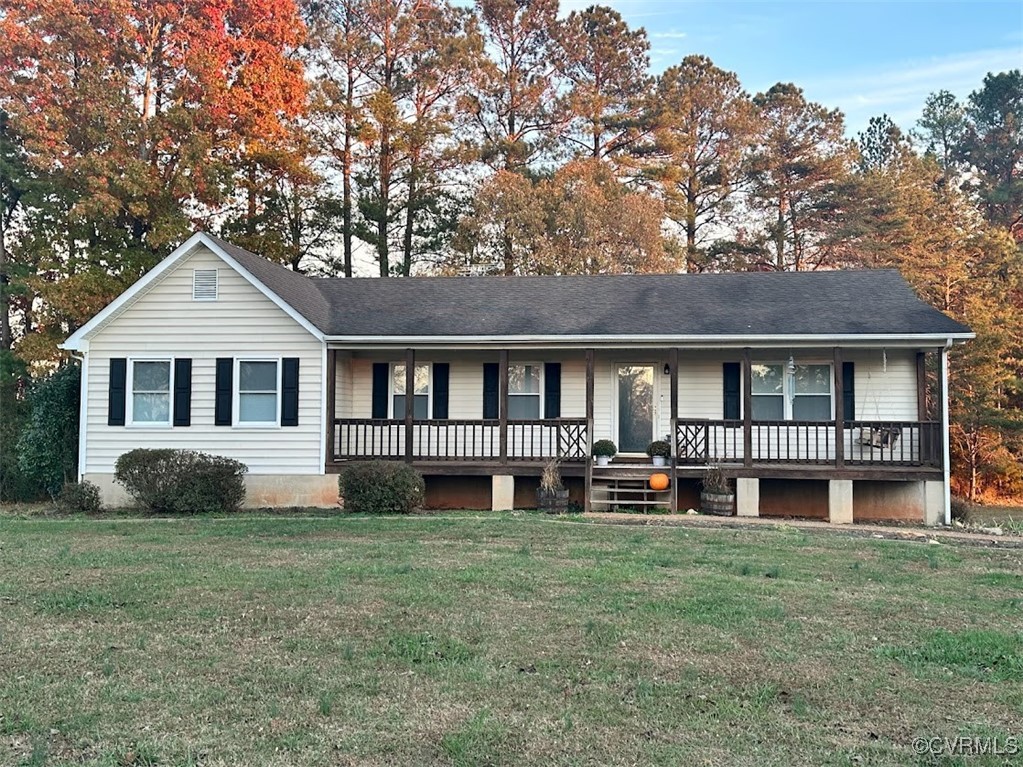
(968, 746)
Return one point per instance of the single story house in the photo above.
(809, 389)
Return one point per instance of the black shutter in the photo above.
(116, 391)
(848, 391)
(552, 390)
(441, 373)
(731, 376)
(224, 392)
(491, 390)
(289, 391)
(381, 388)
(183, 392)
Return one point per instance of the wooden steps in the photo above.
(627, 488)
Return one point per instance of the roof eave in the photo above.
(655, 340)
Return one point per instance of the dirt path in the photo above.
(889, 532)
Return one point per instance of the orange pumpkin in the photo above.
(658, 481)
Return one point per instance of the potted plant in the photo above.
(604, 450)
(659, 450)
(716, 494)
(552, 495)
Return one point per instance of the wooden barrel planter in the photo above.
(719, 505)
(553, 503)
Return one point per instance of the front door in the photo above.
(635, 407)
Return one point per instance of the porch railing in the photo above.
(865, 443)
(460, 440)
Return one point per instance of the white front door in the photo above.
(635, 407)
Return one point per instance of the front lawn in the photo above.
(504, 639)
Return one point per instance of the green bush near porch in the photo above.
(381, 487)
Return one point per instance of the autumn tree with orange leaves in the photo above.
(138, 120)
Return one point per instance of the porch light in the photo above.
(667, 369)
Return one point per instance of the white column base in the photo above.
(502, 493)
(934, 503)
(747, 497)
(840, 501)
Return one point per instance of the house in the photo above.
(811, 390)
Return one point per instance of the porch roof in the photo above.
(814, 305)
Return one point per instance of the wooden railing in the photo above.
(865, 443)
(460, 439)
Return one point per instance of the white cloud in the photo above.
(901, 89)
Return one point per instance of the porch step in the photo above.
(628, 491)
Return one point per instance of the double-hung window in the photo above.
(258, 390)
(783, 392)
(768, 392)
(524, 392)
(151, 392)
(421, 393)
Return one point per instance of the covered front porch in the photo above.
(466, 413)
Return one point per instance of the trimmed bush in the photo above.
(381, 487)
(79, 498)
(181, 481)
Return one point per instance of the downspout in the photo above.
(324, 426)
(946, 458)
(83, 410)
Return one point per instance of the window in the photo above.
(791, 392)
(258, 390)
(421, 395)
(811, 395)
(204, 284)
(151, 392)
(523, 392)
(767, 392)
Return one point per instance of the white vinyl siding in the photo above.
(241, 324)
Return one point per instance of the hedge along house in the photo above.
(809, 389)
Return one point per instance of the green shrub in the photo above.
(605, 447)
(381, 487)
(15, 485)
(48, 445)
(79, 498)
(181, 481)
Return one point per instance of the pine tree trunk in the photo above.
(410, 218)
(5, 303)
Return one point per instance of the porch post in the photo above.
(921, 386)
(673, 434)
(588, 484)
(927, 446)
(502, 377)
(410, 399)
(747, 407)
(945, 459)
(328, 427)
(839, 409)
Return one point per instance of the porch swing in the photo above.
(883, 437)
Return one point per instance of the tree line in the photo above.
(493, 139)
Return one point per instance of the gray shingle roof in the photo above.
(836, 303)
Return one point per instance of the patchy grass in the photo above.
(496, 639)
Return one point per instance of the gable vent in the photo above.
(204, 284)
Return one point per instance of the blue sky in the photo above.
(865, 57)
